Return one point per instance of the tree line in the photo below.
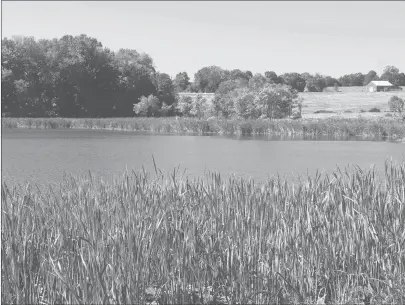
(76, 76)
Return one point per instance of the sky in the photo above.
(331, 38)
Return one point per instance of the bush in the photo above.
(374, 110)
(396, 104)
(147, 106)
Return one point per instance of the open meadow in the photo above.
(347, 104)
(155, 239)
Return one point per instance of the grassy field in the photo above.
(333, 128)
(158, 239)
(342, 102)
(350, 89)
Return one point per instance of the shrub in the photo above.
(147, 106)
(184, 105)
(199, 107)
(374, 110)
(277, 101)
(396, 104)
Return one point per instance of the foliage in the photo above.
(315, 83)
(199, 107)
(294, 80)
(184, 105)
(181, 81)
(208, 79)
(370, 76)
(165, 88)
(276, 101)
(244, 104)
(356, 79)
(396, 104)
(393, 75)
(147, 106)
(273, 78)
(72, 77)
(257, 82)
(75, 76)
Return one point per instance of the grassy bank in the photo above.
(336, 239)
(331, 127)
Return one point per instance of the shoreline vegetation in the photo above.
(334, 128)
(156, 239)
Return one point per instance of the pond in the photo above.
(42, 156)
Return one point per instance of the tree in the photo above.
(147, 106)
(208, 79)
(393, 75)
(249, 74)
(276, 101)
(25, 66)
(136, 74)
(199, 107)
(330, 81)
(238, 75)
(244, 104)
(294, 80)
(181, 81)
(222, 103)
(272, 76)
(355, 79)
(257, 82)
(369, 77)
(185, 105)
(396, 104)
(165, 88)
(315, 83)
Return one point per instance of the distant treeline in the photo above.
(78, 77)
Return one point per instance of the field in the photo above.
(165, 240)
(343, 102)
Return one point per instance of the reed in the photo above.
(145, 238)
(315, 128)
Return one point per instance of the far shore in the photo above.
(334, 127)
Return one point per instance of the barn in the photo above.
(382, 85)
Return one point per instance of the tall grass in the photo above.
(331, 127)
(142, 239)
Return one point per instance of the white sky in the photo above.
(332, 38)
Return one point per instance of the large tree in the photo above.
(294, 80)
(354, 79)
(165, 88)
(370, 76)
(181, 81)
(209, 78)
(136, 79)
(393, 75)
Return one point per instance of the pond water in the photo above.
(42, 156)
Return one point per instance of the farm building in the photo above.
(382, 85)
